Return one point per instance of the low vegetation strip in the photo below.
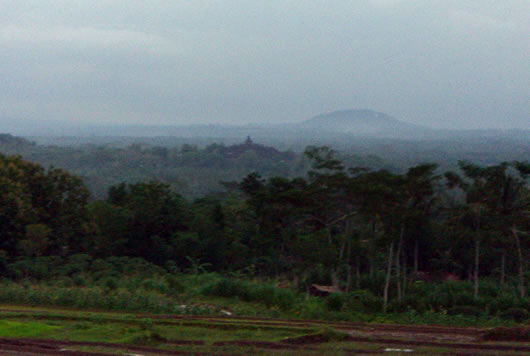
(304, 325)
(231, 323)
(22, 347)
(105, 333)
(323, 338)
(54, 347)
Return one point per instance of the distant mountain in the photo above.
(361, 122)
(324, 129)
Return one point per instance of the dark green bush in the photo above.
(502, 303)
(39, 268)
(65, 282)
(368, 300)
(174, 285)
(398, 307)
(76, 264)
(335, 301)
(110, 283)
(228, 288)
(374, 284)
(465, 311)
(79, 280)
(3, 262)
(412, 302)
(516, 314)
(251, 292)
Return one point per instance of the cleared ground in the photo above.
(43, 331)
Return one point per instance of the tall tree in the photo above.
(52, 199)
(471, 214)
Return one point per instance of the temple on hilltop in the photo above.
(263, 152)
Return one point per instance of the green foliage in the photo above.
(332, 226)
(110, 283)
(89, 298)
(332, 335)
(251, 292)
(36, 241)
(366, 299)
(465, 310)
(27, 329)
(517, 314)
(335, 301)
(41, 210)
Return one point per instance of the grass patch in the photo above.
(27, 329)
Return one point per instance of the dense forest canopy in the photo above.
(337, 224)
(196, 167)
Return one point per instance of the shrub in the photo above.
(76, 264)
(312, 308)
(502, 303)
(79, 280)
(174, 285)
(65, 282)
(368, 300)
(517, 314)
(110, 283)
(465, 310)
(334, 335)
(251, 292)
(398, 307)
(335, 301)
(3, 261)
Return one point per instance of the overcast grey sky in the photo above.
(446, 63)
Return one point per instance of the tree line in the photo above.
(348, 226)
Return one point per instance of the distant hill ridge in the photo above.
(324, 128)
(362, 121)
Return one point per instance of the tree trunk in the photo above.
(503, 267)
(372, 263)
(358, 273)
(348, 281)
(398, 264)
(335, 270)
(372, 253)
(334, 279)
(404, 271)
(348, 262)
(342, 248)
(522, 288)
(388, 272)
(476, 270)
(416, 253)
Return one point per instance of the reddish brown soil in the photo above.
(320, 338)
(55, 347)
(262, 345)
(508, 334)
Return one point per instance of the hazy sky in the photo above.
(452, 64)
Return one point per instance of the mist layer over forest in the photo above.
(194, 159)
